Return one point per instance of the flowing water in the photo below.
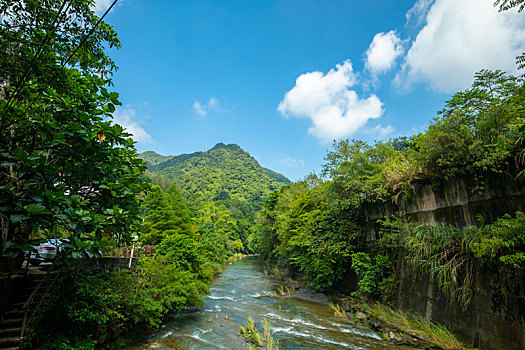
(300, 320)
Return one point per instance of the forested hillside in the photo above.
(225, 181)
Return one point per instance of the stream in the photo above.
(301, 319)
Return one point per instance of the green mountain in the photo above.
(224, 172)
(225, 179)
(153, 158)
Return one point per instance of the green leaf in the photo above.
(18, 217)
(36, 209)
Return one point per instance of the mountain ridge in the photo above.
(224, 171)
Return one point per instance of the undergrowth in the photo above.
(416, 326)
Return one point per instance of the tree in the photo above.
(65, 168)
(505, 5)
(471, 134)
(216, 226)
(166, 213)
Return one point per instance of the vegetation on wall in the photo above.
(315, 226)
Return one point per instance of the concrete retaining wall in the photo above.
(495, 318)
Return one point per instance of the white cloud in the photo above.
(335, 110)
(292, 162)
(126, 117)
(202, 109)
(417, 14)
(101, 6)
(199, 108)
(380, 131)
(460, 38)
(383, 52)
(213, 102)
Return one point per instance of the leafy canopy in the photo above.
(65, 168)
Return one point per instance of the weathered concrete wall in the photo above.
(456, 203)
(495, 318)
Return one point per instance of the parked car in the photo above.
(49, 250)
(46, 251)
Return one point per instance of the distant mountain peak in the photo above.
(225, 170)
(151, 153)
(231, 146)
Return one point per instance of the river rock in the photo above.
(360, 316)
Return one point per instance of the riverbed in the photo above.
(299, 319)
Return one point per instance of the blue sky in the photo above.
(284, 78)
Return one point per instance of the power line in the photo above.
(55, 24)
(89, 34)
(78, 47)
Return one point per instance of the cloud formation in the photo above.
(334, 109)
(417, 14)
(380, 131)
(458, 39)
(383, 52)
(100, 6)
(292, 162)
(202, 109)
(126, 117)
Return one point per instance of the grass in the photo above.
(284, 290)
(250, 332)
(338, 310)
(417, 326)
(443, 251)
(252, 335)
(277, 273)
(281, 291)
(267, 336)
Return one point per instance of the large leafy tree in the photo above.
(472, 133)
(65, 168)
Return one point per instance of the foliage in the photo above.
(153, 158)
(338, 310)
(217, 227)
(270, 343)
(443, 250)
(225, 178)
(433, 333)
(314, 226)
(88, 309)
(65, 168)
(169, 288)
(225, 171)
(183, 250)
(250, 332)
(470, 136)
(165, 213)
(450, 254)
(160, 180)
(375, 274)
(356, 169)
(503, 240)
(304, 226)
